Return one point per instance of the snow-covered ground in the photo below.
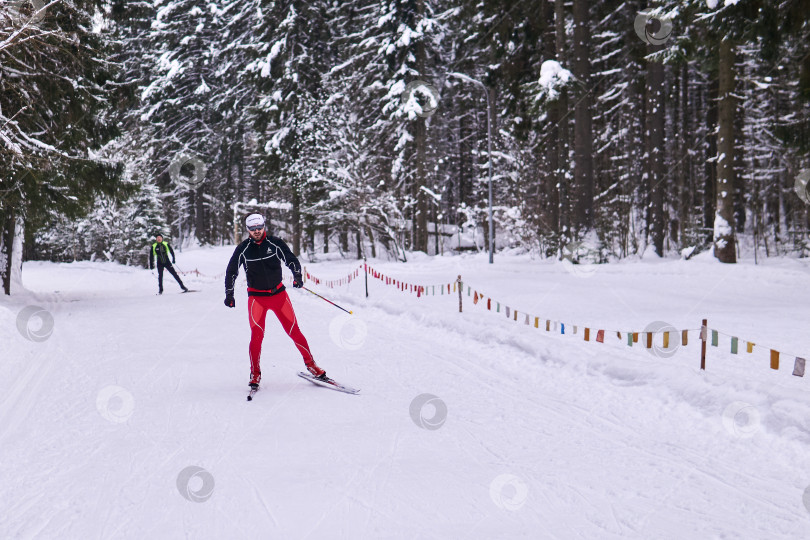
(123, 413)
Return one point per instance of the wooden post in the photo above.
(365, 270)
(460, 286)
(704, 330)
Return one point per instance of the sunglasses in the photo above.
(255, 228)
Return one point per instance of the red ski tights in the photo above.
(280, 304)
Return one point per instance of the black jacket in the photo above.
(262, 263)
(161, 251)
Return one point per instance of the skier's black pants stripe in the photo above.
(172, 271)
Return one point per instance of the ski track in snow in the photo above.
(609, 441)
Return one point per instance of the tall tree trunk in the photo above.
(344, 239)
(296, 221)
(199, 216)
(655, 150)
(710, 171)
(583, 136)
(549, 199)
(724, 245)
(420, 237)
(7, 249)
(464, 160)
(562, 130)
(370, 234)
(326, 238)
(685, 163)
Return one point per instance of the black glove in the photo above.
(229, 301)
(298, 281)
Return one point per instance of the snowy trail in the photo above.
(544, 437)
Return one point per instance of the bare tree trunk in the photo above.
(464, 160)
(684, 160)
(420, 239)
(7, 249)
(710, 178)
(370, 234)
(549, 199)
(344, 239)
(724, 244)
(326, 238)
(655, 150)
(296, 221)
(583, 136)
(310, 236)
(562, 130)
(421, 217)
(199, 216)
(437, 229)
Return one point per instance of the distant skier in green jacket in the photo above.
(159, 253)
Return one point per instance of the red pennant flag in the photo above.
(600, 336)
(475, 297)
(489, 303)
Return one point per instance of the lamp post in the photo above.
(468, 79)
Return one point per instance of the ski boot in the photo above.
(317, 372)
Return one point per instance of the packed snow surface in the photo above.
(123, 413)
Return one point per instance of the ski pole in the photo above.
(322, 298)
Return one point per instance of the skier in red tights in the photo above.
(261, 256)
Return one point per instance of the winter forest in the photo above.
(378, 127)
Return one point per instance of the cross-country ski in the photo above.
(328, 383)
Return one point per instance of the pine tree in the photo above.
(53, 96)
